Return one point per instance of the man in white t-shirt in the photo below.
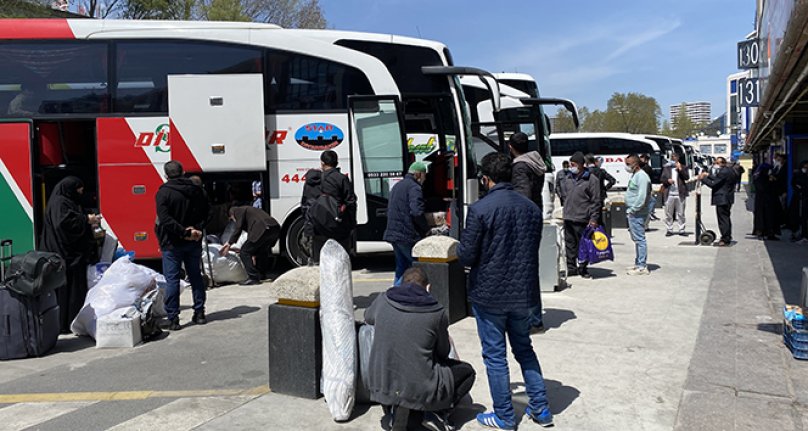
(674, 194)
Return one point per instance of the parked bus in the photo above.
(519, 112)
(612, 148)
(665, 145)
(520, 81)
(111, 101)
(436, 121)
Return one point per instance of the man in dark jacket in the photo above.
(501, 245)
(800, 201)
(605, 180)
(262, 234)
(723, 184)
(528, 170)
(674, 193)
(559, 177)
(409, 367)
(406, 223)
(182, 211)
(329, 181)
(580, 192)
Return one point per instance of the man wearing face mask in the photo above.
(406, 223)
(580, 192)
(637, 195)
(722, 182)
(674, 193)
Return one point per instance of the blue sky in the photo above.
(585, 50)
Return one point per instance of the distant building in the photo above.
(698, 112)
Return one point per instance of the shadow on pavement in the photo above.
(555, 317)
(233, 313)
(365, 301)
(787, 259)
(774, 328)
(601, 272)
(559, 395)
(72, 343)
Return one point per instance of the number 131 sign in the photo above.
(749, 92)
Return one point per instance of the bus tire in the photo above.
(295, 249)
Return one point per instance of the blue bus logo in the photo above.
(319, 136)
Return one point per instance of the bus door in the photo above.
(379, 157)
(217, 122)
(131, 156)
(16, 184)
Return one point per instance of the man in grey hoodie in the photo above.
(528, 169)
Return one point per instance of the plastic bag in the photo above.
(366, 335)
(122, 285)
(339, 331)
(595, 246)
(95, 272)
(226, 269)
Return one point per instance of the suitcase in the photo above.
(29, 325)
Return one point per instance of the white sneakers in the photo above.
(639, 271)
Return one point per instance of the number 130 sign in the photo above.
(749, 54)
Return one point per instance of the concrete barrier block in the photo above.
(436, 247)
(298, 285)
(295, 351)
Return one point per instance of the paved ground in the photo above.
(693, 346)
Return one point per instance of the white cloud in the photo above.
(644, 37)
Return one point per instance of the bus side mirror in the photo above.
(548, 124)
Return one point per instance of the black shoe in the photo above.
(436, 422)
(669, 233)
(249, 282)
(538, 329)
(586, 275)
(682, 233)
(199, 318)
(170, 325)
(572, 272)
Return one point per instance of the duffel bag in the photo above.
(35, 273)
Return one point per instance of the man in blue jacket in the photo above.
(501, 245)
(406, 223)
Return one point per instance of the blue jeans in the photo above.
(492, 326)
(651, 208)
(189, 254)
(403, 260)
(636, 226)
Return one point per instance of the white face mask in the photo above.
(629, 169)
(574, 170)
(804, 170)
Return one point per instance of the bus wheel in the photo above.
(297, 245)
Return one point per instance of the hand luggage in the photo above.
(29, 325)
(35, 272)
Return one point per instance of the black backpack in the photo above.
(326, 215)
(35, 273)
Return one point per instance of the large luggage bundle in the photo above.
(29, 323)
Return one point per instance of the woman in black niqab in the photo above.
(67, 231)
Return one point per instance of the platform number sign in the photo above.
(749, 54)
(749, 92)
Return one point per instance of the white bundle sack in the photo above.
(338, 329)
(121, 286)
(226, 269)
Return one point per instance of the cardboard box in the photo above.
(121, 328)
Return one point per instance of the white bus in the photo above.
(112, 100)
(314, 90)
(612, 148)
(520, 111)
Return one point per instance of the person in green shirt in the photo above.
(637, 196)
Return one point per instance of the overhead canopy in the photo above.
(785, 99)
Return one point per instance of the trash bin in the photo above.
(437, 256)
(295, 338)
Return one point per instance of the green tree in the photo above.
(632, 113)
(665, 130)
(286, 13)
(562, 123)
(595, 121)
